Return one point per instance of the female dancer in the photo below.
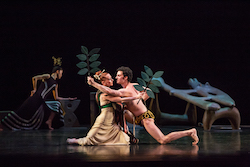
(41, 107)
(105, 130)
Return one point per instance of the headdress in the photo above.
(97, 76)
(57, 61)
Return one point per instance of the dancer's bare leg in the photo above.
(176, 135)
(156, 133)
(50, 119)
(129, 116)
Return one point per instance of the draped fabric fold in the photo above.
(105, 130)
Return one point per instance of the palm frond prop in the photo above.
(147, 82)
(88, 63)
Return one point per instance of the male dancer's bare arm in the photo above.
(104, 89)
(124, 99)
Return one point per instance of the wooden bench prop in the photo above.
(69, 106)
(216, 103)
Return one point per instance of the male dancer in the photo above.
(143, 116)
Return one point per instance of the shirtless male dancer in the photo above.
(142, 115)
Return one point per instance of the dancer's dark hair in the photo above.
(126, 72)
(55, 68)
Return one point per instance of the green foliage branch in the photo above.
(89, 63)
(146, 82)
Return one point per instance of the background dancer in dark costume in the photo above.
(42, 109)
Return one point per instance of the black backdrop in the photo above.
(208, 40)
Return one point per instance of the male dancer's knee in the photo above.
(151, 128)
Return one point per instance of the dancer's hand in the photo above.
(32, 92)
(74, 98)
(90, 80)
(140, 95)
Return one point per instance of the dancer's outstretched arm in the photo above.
(124, 99)
(107, 90)
(35, 79)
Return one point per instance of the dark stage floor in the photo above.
(219, 147)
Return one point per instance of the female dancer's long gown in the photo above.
(105, 130)
(34, 112)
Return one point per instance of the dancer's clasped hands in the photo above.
(90, 80)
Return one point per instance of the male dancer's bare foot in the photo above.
(49, 123)
(72, 141)
(194, 136)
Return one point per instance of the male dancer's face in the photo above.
(120, 79)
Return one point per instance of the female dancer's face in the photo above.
(59, 74)
(108, 81)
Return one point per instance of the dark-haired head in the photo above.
(55, 68)
(126, 72)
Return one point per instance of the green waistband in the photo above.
(104, 106)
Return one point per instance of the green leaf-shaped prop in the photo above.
(95, 64)
(151, 94)
(158, 74)
(147, 82)
(153, 88)
(94, 51)
(82, 57)
(141, 82)
(94, 57)
(156, 83)
(89, 57)
(84, 50)
(81, 64)
(145, 76)
(139, 87)
(148, 71)
(83, 71)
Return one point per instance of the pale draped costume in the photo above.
(105, 130)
